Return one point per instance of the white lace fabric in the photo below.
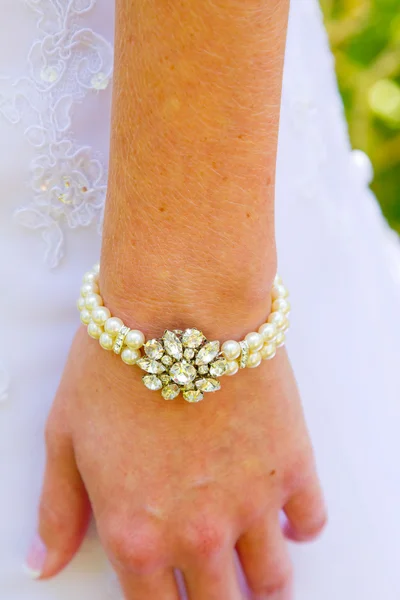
(67, 63)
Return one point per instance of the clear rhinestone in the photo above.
(207, 353)
(172, 344)
(153, 349)
(203, 369)
(167, 360)
(165, 378)
(219, 367)
(178, 332)
(244, 355)
(193, 395)
(189, 386)
(208, 385)
(192, 338)
(152, 382)
(188, 353)
(150, 365)
(169, 392)
(183, 373)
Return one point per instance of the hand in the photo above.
(175, 485)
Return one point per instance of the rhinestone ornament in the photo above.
(180, 361)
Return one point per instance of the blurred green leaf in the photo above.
(365, 39)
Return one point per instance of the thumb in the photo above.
(64, 511)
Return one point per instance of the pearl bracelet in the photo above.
(182, 361)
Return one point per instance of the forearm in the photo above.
(189, 225)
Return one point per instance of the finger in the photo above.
(306, 514)
(160, 585)
(205, 555)
(64, 511)
(137, 549)
(214, 580)
(265, 560)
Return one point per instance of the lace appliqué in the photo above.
(66, 64)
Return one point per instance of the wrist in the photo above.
(173, 295)
(182, 360)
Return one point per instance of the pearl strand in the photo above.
(271, 335)
(113, 335)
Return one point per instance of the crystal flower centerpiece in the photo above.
(183, 361)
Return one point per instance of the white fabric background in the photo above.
(336, 255)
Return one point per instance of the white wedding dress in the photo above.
(341, 263)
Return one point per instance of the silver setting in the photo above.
(244, 355)
(120, 339)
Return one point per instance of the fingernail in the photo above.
(36, 558)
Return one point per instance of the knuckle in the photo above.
(135, 547)
(204, 537)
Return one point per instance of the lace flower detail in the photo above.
(67, 64)
(68, 186)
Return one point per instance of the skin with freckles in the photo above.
(174, 485)
(194, 134)
(188, 241)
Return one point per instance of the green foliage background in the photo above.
(365, 39)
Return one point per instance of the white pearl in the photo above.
(231, 349)
(364, 164)
(100, 314)
(254, 341)
(279, 291)
(89, 288)
(106, 341)
(81, 303)
(277, 319)
(281, 305)
(113, 325)
(278, 280)
(96, 268)
(90, 277)
(130, 356)
(134, 339)
(86, 317)
(286, 325)
(233, 367)
(280, 339)
(93, 300)
(267, 331)
(268, 351)
(94, 330)
(254, 360)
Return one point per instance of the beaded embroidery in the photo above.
(67, 64)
